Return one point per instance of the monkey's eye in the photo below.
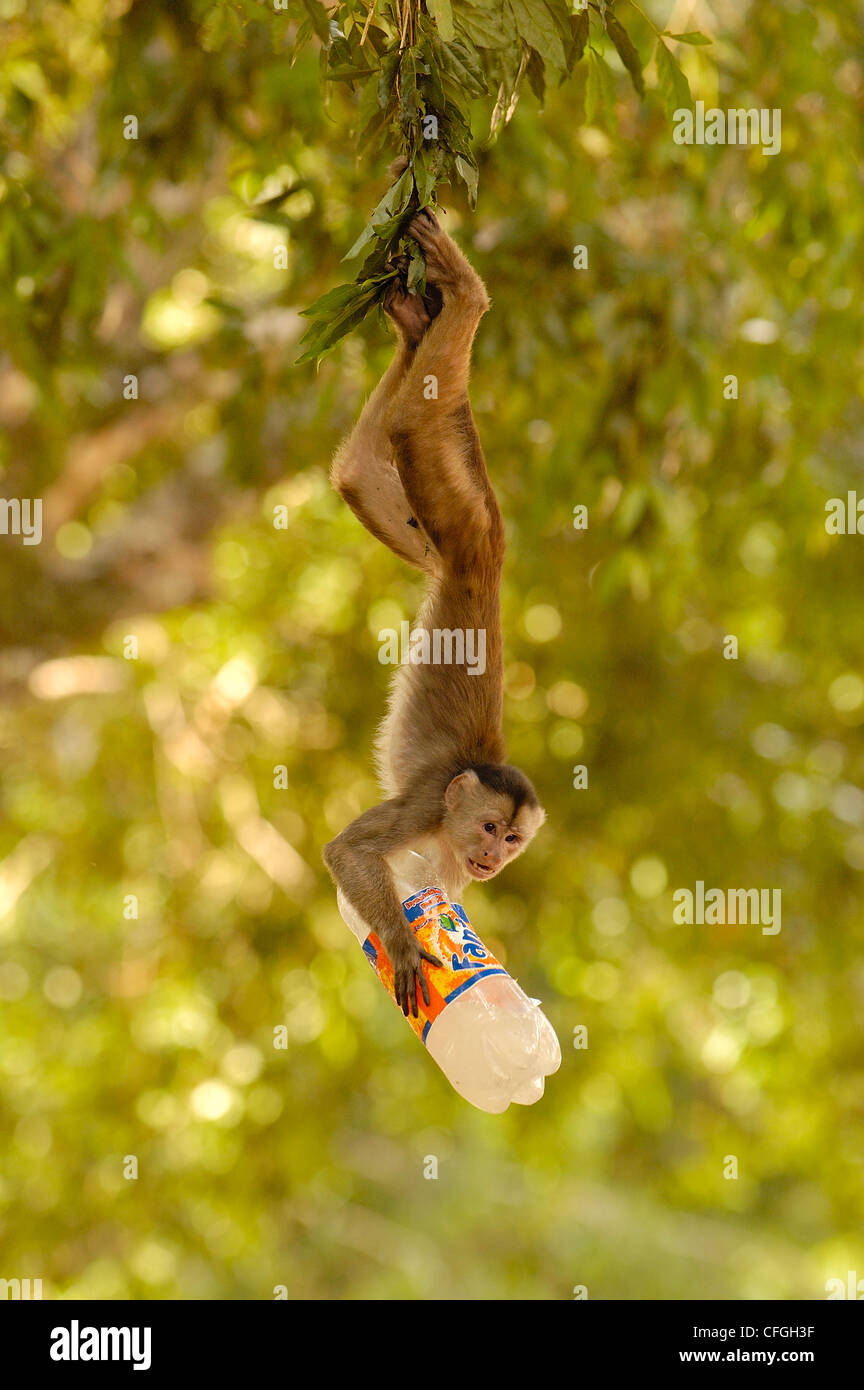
(489, 827)
(512, 839)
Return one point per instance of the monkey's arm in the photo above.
(357, 865)
(369, 438)
(444, 351)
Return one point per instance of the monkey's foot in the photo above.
(407, 311)
(447, 270)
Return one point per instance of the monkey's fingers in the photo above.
(433, 960)
(404, 986)
(394, 295)
(407, 978)
(425, 229)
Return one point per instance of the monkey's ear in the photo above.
(460, 787)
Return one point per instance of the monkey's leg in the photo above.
(439, 708)
(431, 427)
(364, 471)
(444, 351)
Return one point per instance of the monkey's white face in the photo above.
(493, 844)
(483, 829)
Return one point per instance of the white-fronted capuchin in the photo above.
(413, 472)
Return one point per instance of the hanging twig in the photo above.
(405, 24)
(368, 22)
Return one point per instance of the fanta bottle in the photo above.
(493, 1043)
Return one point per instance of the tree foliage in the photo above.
(419, 72)
(181, 259)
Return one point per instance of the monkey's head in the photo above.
(491, 813)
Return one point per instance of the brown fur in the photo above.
(414, 474)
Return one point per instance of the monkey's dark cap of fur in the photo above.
(508, 781)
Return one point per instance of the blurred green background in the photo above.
(257, 647)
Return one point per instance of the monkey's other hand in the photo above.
(407, 958)
(446, 267)
(407, 311)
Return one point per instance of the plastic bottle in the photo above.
(493, 1043)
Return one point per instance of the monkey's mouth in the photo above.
(480, 870)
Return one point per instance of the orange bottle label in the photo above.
(442, 928)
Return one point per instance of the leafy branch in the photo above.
(416, 67)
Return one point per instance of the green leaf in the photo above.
(416, 277)
(386, 217)
(387, 80)
(318, 343)
(301, 38)
(339, 51)
(347, 72)
(626, 51)
(674, 87)
(487, 28)
(326, 331)
(442, 13)
(363, 240)
(370, 120)
(377, 39)
(599, 90)
(409, 97)
(398, 197)
(430, 80)
(332, 300)
(579, 30)
(467, 171)
(319, 17)
(693, 36)
(536, 26)
(455, 132)
(536, 76)
(425, 179)
(375, 263)
(461, 62)
(386, 230)
(561, 14)
(367, 105)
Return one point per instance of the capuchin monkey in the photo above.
(413, 472)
